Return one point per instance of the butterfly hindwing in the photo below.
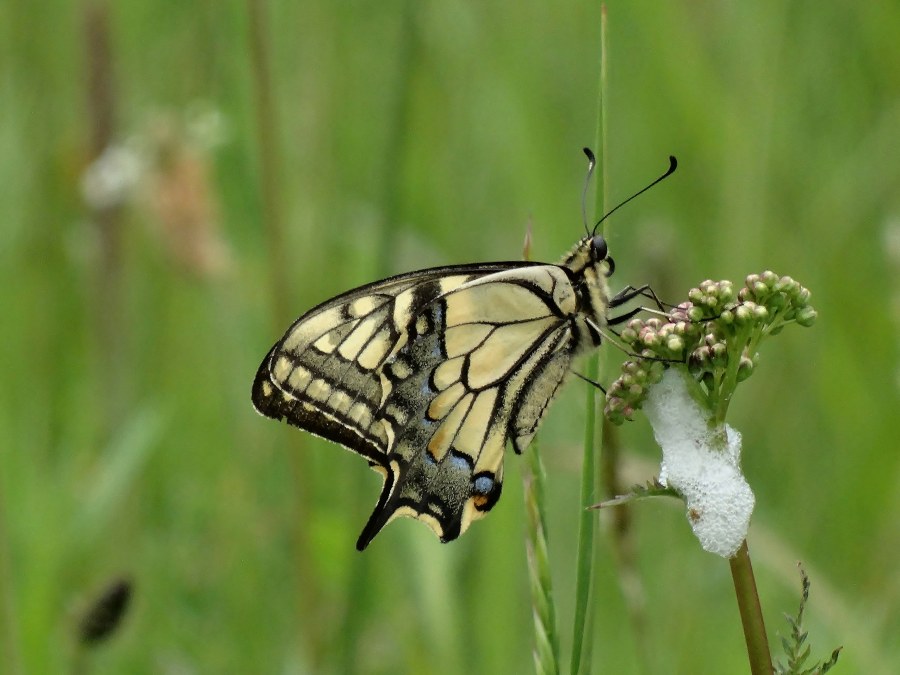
(482, 362)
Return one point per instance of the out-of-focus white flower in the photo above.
(110, 179)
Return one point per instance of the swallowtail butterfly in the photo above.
(429, 374)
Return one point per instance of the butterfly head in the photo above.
(600, 254)
(591, 253)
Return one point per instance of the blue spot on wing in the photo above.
(460, 462)
(484, 485)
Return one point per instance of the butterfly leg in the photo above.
(615, 320)
(590, 381)
(630, 293)
(617, 342)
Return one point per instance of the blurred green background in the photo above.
(263, 156)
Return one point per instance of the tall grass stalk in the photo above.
(546, 637)
(269, 159)
(107, 311)
(360, 576)
(307, 600)
(621, 535)
(9, 629)
(622, 540)
(592, 439)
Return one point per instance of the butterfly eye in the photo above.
(598, 247)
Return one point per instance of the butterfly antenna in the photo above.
(673, 164)
(592, 162)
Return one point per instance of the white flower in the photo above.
(110, 179)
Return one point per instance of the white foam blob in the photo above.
(702, 464)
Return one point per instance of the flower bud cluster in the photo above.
(715, 334)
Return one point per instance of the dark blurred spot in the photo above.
(106, 613)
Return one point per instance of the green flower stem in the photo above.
(751, 613)
(729, 379)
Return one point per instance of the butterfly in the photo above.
(428, 375)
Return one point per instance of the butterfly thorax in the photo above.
(589, 268)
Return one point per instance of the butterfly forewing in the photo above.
(324, 375)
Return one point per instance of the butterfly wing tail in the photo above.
(383, 511)
(444, 495)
